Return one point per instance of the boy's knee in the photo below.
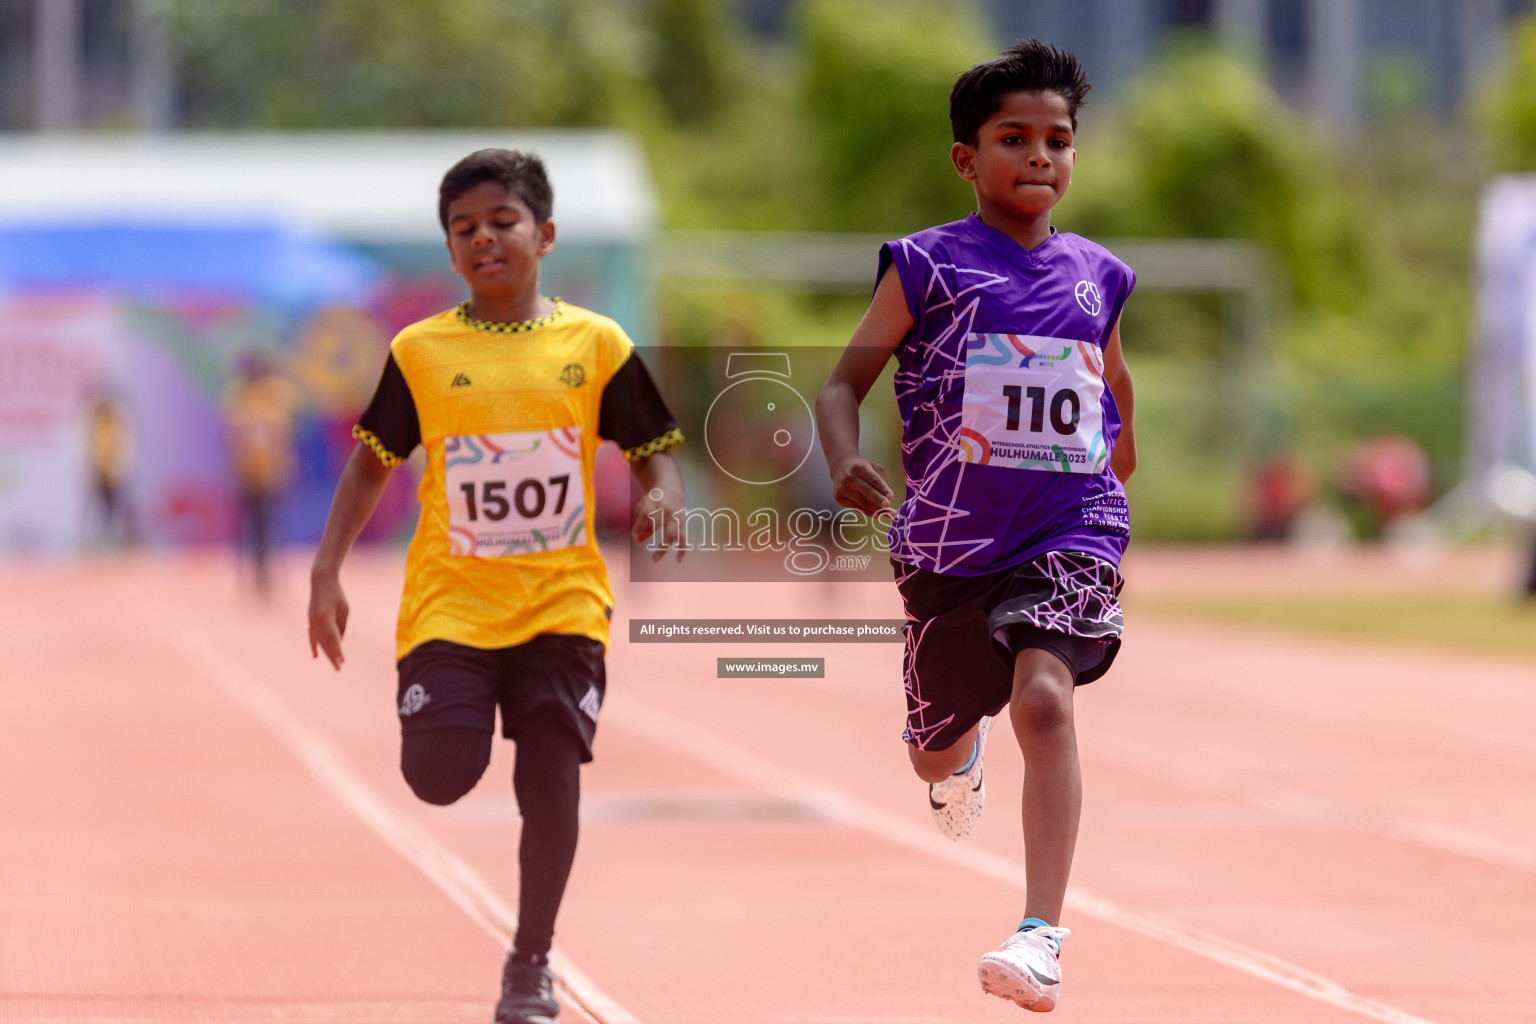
(1043, 715)
(930, 766)
(547, 774)
(938, 765)
(444, 764)
(553, 785)
(1042, 697)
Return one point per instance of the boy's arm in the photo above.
(661, 500)
(362, 482)
(1118, 376)
(856, 482)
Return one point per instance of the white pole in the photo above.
(56, 64)
(1333, 44)
(1482, 41)
(152, 85)
(1240, 23)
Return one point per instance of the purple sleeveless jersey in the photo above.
(1007, 424)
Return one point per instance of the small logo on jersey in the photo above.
(574, 375)
(590, 703)
(416, 698)
(460, 380)
(1088, 297)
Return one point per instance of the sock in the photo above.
(971, 761)
(536, 959)
(1029, 924)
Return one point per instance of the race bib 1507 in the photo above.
(514, 494)
(1033, 403)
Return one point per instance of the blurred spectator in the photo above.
(1389, 476)
(1530, 575)
(110, 441)
(1279, 488)
(260, 406)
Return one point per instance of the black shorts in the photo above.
(964, 632)
(444, 684)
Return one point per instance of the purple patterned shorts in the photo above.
(962, 633)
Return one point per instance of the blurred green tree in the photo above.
(1508, 110)
(1205, 149)
(692, 56)
(359, 63)
(874, 98)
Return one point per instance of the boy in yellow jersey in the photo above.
(506, 599)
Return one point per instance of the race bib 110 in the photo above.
(514, 494)
(1033, 403)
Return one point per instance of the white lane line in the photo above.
(670, 731)
(1315, 808)
(462, 884)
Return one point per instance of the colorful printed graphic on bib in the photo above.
(514, 494)
(1033, 403)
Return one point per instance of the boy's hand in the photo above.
(860, 484)
(327, 617)
(663, 506)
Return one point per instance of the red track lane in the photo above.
(1358, 812)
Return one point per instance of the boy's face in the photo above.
(494, 242)
(1021, 164)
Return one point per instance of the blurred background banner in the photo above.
(150, 317)
(51, 354)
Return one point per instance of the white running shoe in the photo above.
(1026, 969)
(958, 800)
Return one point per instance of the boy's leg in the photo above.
(446, 701)
(938, 765)
(547, 780)
(1041, 711)
(441, 765)
(261, 540)
(553, 691)
(954, 683)
(1026, 968)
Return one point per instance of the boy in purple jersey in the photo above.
(1016, 413)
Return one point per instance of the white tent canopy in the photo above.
(377, 187)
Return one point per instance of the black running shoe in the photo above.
(527, 995)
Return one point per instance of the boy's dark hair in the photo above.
(1026, 66)
(522, 173)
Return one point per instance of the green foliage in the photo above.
(847, 130)
(747, 169)
(1455, 622)
(359, 63)
(1371, 237)
(875, 101)
(1207, 150)
(1510, 102)
(1186, 476)
(691, 61)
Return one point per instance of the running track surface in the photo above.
(200, 823)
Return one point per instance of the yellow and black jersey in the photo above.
(510, 416)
